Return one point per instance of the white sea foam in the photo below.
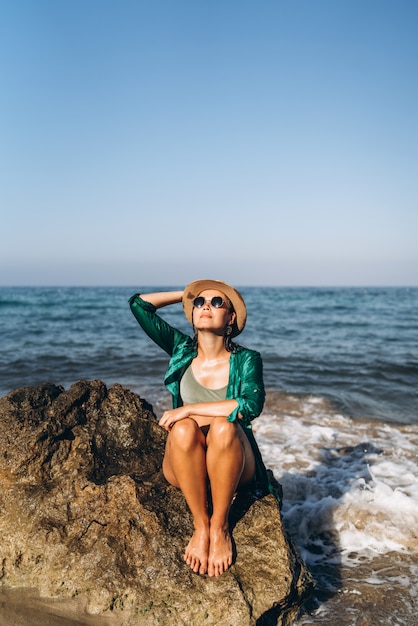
(350, 487)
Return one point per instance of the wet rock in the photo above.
(85, 512)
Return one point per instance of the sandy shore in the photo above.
(23, 607)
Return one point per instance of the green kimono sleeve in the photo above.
(247, 385)
(155, 327)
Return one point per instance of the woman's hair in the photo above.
(230, 346)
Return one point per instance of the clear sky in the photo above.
(153, 142)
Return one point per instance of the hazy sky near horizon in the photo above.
(155, 142)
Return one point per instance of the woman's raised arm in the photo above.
(162, 298)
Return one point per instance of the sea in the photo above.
(339, 428)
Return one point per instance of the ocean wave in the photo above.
(350, 488)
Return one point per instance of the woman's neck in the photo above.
(211, 347)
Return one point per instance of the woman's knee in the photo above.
(185, 434)
(223, 433)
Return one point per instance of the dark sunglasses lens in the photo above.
(199, 302)
(216, 302)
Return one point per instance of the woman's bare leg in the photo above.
(184, 466)
(229, 461)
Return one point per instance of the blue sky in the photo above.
(155, 142)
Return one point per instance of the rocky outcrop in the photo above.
(85, 512)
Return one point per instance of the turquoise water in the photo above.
(356, 347)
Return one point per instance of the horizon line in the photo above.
(174, 285)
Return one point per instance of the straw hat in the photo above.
(197, 286)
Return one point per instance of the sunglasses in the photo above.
(216, 302)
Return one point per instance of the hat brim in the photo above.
(193, 289)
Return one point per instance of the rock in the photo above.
(85, 512)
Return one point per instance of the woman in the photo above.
(217, 389)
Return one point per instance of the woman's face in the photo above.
(209, 317)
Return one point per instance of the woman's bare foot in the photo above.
(196, 554)
(220, 551)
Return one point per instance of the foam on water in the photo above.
(350, 492)
(361, 476)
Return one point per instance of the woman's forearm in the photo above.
(221, 408)
(203, 412)
(162, 298)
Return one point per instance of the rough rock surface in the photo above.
(85, 512)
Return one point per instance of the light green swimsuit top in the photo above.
(192, 391)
